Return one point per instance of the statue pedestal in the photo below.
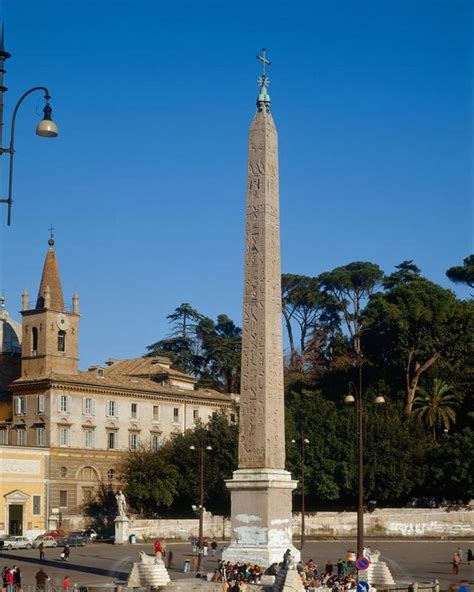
(121, 530)
(261, 516)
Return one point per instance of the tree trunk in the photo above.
(412, 378)
(289, 330)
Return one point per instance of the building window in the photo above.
(100, 372)
(111, 474)
(195, 415)
(21, 437)
(111, 440)
(134, 410)
(156, 413)
(36, 505)
(134, 441)
(39, 404)
(3, 436)
(40, 436)
(63, 471)
(63, 498)
(176, 415)
(112, 408)
(34, 341)
(64, 404)
(64, 436)
(155, 442)
(89, 439)
(88, 406)
(232, 418)
(20, 406)
(61, 341)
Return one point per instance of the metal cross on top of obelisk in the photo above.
(265, 62)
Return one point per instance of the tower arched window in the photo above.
(34, 341)
(61, 341)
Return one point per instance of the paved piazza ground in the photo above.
(102, 563)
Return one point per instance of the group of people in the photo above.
(341, 576)
(11, 578)
(206, 547)
(234, 576)
(458, 559)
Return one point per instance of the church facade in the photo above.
(87, 420)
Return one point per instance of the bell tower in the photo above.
(50, 332)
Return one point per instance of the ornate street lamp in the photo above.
(304, 441)
(357, 398)
(202, 455)
(46, 128)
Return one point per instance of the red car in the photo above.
(56, 534)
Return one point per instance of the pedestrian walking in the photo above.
(456, 562)
(41, 550)
(205, 548)
(470, 556)
(41, 578)
(67, 584)
(8, 580)
(459, 552)
(157, 547)
(164, 549)
(339, 567)
(67, 552)
(214, 547)
(170, 559)
(16, 577)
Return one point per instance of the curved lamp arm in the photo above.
(11, 150)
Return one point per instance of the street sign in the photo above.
(362, 563)
(363, 587)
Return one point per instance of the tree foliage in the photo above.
(351, 285)
(463, 274)
(414, 326)
(435, 406)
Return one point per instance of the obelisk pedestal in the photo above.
(261, 499)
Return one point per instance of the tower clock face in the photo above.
(62, 321)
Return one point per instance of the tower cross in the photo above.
(265, 62)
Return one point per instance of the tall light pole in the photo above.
(304, 441)
(202, 455)
(358, 399)
(46, 128)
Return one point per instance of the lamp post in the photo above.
(46, 128)
(304, 441)
(202, 455)
(358, 399)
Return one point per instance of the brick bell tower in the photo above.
(50, 332)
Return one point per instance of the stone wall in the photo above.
(397, 523)
(390, 522)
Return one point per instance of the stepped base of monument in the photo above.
(261, 516)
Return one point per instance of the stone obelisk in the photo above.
(261, 489)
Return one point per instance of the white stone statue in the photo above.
(121, 503)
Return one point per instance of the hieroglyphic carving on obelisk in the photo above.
(262, 435)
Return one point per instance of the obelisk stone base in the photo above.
(261, 516)
(121, 530)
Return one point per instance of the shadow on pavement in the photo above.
(65, 565)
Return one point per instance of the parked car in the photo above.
(74, 539)
(15, 542)
(48, 541)
(56, 534)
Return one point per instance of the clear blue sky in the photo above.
(146, 183)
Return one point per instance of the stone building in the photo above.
(89, 419)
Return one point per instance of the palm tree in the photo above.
(435, 406)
